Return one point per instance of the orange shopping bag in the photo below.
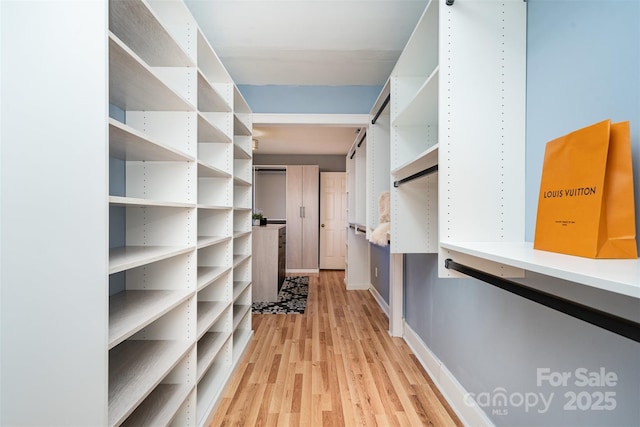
(585, 205)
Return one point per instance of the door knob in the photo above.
(322, 225)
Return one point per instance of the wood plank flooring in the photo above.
(335, 365)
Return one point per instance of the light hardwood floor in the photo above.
(335, 365)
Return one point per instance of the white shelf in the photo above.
(211, 384)
(209, 99)
(239, 127)
(127, 143)
(135, 201)
(241, 182)
(127, 257)
(160, 407)
(208, 171)
(135, 369)
(621, 276)
(210, 132)
(239, 287)
(133, 85)
(140, 29)
(207, 275)
(420, 55)
(241, 338)
(240, 153)
(239, 259)
(208, 348)
(130, 311)
(239, 312)
(238, 234)
(205, 241)
(423, 107)
(208, 313)
(209, 63)
(215, 207)
(424, 160)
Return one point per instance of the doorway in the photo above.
(333, 220)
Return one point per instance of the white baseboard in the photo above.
(381, 302)
(303, 271)
(451, 389)
(351, 286)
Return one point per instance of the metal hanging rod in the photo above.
(610, 322)
(384, 104)
(428, 171)
(450, 2)
(352, 154)
(357, 228)
(361, 140)
(259, 169)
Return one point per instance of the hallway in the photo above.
(335, 365)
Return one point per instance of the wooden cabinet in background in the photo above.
(303, 194)
(269, 252)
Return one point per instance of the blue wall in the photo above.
(583, 66)
(310, 99)
(379, 258)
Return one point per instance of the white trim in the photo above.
(381, 302)
(303, 270)
(358, 286)
(396, 297)
(311, 119)
(448, 385)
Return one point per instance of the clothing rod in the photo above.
(450, 2)
(384, 104)
(357, 228)
(270, 169)
(362, 139)
(610, 322)
(422, 173)
(352, 154)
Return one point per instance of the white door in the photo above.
(333, 220)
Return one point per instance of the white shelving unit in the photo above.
(414, 138)
(457, 96)
(378, 155)
(494, 192)
(180, 221)
(357, 245)
(242, 225)
(368, 176)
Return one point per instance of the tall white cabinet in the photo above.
(152, 328)
(303, 216)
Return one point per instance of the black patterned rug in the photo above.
(292, 298)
